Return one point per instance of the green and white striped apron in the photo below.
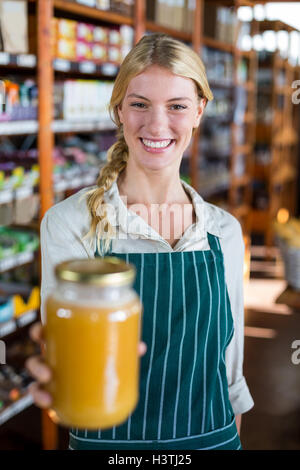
(187, 325)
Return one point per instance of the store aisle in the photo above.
(274, 381)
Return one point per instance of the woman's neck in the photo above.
(152, 190)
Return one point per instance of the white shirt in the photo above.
(65, 224)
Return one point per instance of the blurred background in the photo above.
(58, 61)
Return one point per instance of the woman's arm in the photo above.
(238, 420)
(232, 245)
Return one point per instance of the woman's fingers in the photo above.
(38, 369)
(142, 348)
(36, 332)
(40, 397)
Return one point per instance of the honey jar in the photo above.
(92, 331)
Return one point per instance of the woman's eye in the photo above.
(138, 105)
(178, 106)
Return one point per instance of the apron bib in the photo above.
(187, 325)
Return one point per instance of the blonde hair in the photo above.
(154, 49)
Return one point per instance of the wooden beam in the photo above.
(45, 146)
(139, 20)
(45, 104)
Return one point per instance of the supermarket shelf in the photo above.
(58, 126)
(10, 326)
(220, 45)
(107, 69)
(16, 260)
(15, 408)
(17, 60)
(86, 67)
(93, 13)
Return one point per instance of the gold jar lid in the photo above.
(104, 272)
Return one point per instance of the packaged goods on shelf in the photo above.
(14, 26)
(20, 100)
(288, 240)
(6, 308)
(219, 22)
(80, 41)
(15, 241)
(125, 7)
(20, 298)
(86, 99)
(219, 66)
(19, 174)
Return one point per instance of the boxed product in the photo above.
(66, 29)
(14, 26)
(100, 34)
(99, 53)
(83, 50)
(66, 49)
(114, 37)
(85, 32)
(114, 54)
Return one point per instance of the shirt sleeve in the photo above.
(232, 245)
(59, 242)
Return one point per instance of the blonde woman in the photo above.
(188, 254)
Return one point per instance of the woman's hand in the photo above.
(42, 373)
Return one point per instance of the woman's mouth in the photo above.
(156, 146)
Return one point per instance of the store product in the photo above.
(14, 28)
(92, 331)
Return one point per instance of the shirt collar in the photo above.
(207, 215)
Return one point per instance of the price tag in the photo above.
(23, 258)
(23, 192)
(6, 195)
(61, 186)
(7, 328)
(109, 69)
(4, 58)
(7, 263)
(26, 60)
(62, 65)
(26, 318)
(87, 67)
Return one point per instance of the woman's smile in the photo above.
(157, 146)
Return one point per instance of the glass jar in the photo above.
(92, 331)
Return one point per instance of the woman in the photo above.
(188, 254)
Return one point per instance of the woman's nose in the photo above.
(157, 123)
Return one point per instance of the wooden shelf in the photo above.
(215, 44)
(58, 126)
(92, 13)
(156, 28)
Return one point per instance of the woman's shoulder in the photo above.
(226, 223)
(72, 209)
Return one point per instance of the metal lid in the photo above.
(104, 272)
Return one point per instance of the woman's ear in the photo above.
(200, 110)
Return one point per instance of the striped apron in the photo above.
(187, 325)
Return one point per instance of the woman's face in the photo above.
(158, 113)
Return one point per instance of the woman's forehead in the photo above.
(156, 81)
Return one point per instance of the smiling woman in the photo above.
(188, 257)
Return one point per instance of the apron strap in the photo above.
(214, 242)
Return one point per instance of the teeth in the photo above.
(156, 145)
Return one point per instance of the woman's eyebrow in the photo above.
(146, 99)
